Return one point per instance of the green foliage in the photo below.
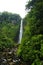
(9, 18)
(37, 62)
(31, 48)
(9, 29)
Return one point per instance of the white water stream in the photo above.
(21, 31)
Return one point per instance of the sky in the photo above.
(14, 6)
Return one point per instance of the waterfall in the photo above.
(21, 31)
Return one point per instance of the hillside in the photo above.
(9, 29)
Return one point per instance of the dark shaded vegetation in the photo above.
(9, 29)
(31, 47)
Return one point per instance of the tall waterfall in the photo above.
(21, 31)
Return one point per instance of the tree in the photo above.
(9, 29)
(30, 49)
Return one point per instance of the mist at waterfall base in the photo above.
(21, 31)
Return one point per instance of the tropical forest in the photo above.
(21, 39)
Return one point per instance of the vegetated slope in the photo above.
(9, 29)
(31, 48)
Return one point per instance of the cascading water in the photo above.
(21, 31)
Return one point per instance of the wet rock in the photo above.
(10, 53)
(8, 57)
(4, 60)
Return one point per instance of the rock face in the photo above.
(8, 57)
